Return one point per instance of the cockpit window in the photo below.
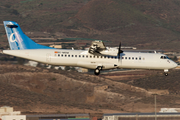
(164, 57)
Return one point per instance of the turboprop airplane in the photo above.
(98, 57)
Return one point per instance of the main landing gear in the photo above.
(97, 70)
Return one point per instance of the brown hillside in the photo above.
(50, 91)
(145, 24)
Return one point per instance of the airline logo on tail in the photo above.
(13, 37)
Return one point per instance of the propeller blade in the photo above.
(119, 49)
(119, 53)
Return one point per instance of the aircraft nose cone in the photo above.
(175, 65)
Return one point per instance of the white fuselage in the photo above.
(82, 58)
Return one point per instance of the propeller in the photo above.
(119, 53)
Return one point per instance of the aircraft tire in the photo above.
(96, 71)
(166, 74)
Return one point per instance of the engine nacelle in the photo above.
(110, 51)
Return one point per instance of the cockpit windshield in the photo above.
(164, 57)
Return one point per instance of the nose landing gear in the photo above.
(166, 72)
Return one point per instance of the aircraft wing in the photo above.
(96, 47)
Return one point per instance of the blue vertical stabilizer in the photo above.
(18, 40)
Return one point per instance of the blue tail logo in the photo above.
(18, 40)
(12, 38)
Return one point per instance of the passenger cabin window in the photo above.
(61, 55)
(132, 58)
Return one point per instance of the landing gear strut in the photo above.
(97, 70)
(166, 72)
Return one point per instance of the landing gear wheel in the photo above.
(166, 74)
(96, 71)
(99, 67)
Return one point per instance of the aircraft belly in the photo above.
(143, 65)
(64, 61)
(86, 65)
(92, 64)
(130, 64)
(140, 65)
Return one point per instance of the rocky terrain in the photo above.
(38, 90)
(145, 24)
